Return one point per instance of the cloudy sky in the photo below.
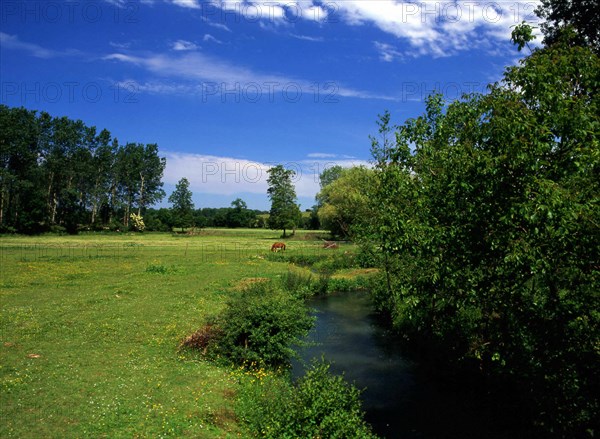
(229, 88)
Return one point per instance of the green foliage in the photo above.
(303, 283)
(321, 262)
(343, 201)
(261, 325)
(158, 268)
(158, 220)
(319, 405)
(300, 259)
(232, 217)
(487, 231)
(239, 215)
(285, 213)
(329, 175)
(521, 35)
(346, 284)
(183, 206)
(580, 16)
(55, 171)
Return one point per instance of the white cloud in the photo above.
(318, 164)
(321, 155)
(13, 42)
(217, 175)
(122, 46)
(118, 3)
(196, 66)
(307, 38)
(212, 77)
(218, 26)
(387, 52)
(210, 38)
(439, 28)
(190, 4)
(170, 88)
(183, 45)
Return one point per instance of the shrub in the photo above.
(319, 405)
(157, 269)
(137, 222)
(260, 325)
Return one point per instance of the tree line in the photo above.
(284, 213)
(59, 174)
(167, 219)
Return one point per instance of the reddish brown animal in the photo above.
(278, 246)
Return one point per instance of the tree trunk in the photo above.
(94, 209)
(126, 218)
(1, 206)
(111, 207)
(54, 207)
(141, 194)
(50, 193)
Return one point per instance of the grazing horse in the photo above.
(278, 246)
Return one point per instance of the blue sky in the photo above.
(229, 88)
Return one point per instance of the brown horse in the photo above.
(278, 246)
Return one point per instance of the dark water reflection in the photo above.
(400, 402)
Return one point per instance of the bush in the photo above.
(319, 405)
(260, 326)
(157, 268)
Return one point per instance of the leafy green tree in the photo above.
(345, 201)
(329, 175)
(158, 220)
(183, 206)
(58, 172)
(239, 215)
(485, 216)
(285, 213)
(580, 15)
(102, 173)
(22, 201)
(63, 161)
(140, 171)
(312, 222)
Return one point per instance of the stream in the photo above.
(398, 398)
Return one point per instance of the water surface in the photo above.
(399, 400)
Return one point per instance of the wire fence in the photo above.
(200, 252)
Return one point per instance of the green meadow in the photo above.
(90, 328)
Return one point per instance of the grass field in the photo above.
(90, 327)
